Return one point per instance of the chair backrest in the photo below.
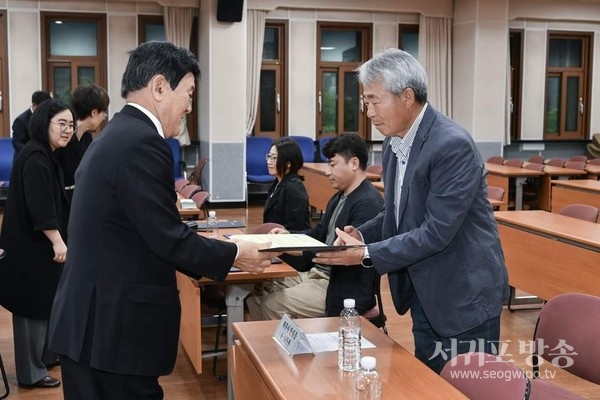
(177, 163)
(568, 325)
(534, 166)
(196, 176)
(188, 191)
(267, 227)
(578, 158)
(180, 183)
(503, 379)
(495, 192)
(556, 162)
(514, 162)
(307, 147)
(496, 160)
(375, 169)
(594, 161)
(200, 197)
(256, 165)
(536, 159)
(7, 153)
(322, 142)
(581, 211)
(575, 165)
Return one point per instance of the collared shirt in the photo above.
(151, 116)
(401, 147)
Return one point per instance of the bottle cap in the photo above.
(368, 362)
(212, 213)
(349, 303)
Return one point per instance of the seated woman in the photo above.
(287, 201)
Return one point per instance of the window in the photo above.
(74, 49)
(270, 116)
(567, 86)
(342, 48)
(408, 39)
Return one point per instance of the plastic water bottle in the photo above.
(368, 382)
(349, 337)
(212, 225)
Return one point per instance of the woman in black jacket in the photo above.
(287, 201)
(33, 235)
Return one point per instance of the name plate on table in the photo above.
(289, 336)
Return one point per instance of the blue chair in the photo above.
(322, 143)
(307, 147)
(7, 152)
(257, 173)
(178, 164)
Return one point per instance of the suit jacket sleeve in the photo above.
(442, 187)
(39, 193)
(19, 128)
(149, 201)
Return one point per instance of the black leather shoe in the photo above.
(47, 382)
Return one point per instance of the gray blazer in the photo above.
(446, 246)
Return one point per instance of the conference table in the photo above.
(499, 175)
(237, 287)
(579, 191)
(548, 254)
(551, 174)
(263, 370)
(317, 184)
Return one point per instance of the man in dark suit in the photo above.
(20, 126)
(436, 238)
(115, 318)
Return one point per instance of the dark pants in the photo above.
(80, 381)
(435, 350)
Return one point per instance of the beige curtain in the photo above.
(256, 35)
(178, 29)
(435, 54)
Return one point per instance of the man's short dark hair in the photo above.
(39, 97)
(157, 58)
(348, 145)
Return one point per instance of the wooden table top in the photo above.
(311, 376)
(560, 171)
(553, 224)
(582, 184)
(507, 170)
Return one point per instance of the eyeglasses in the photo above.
(65, 127)
(271, 157)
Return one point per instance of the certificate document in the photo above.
(290, 242)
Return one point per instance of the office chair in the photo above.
(567, 333)
(180, 184)
(322, 142)
(196, 176)
(496, 160)
(200, 198)
(581, 211)
(375, 169)
(307, 147)
(556, 162)
(503, 379)
(495, 192)
(578, 158)
(257, 173)
(536, 159)
(513, 162)
(594, 161)
(575, 165)
(189, 190)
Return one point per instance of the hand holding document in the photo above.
(352, 255)
(253, 257)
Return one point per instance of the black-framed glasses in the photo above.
(271, 157)
(65, 127)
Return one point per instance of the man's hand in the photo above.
(277, 231)
(348, 257)
(249, 259)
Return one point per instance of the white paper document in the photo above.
(290, 242)
(328, 341)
